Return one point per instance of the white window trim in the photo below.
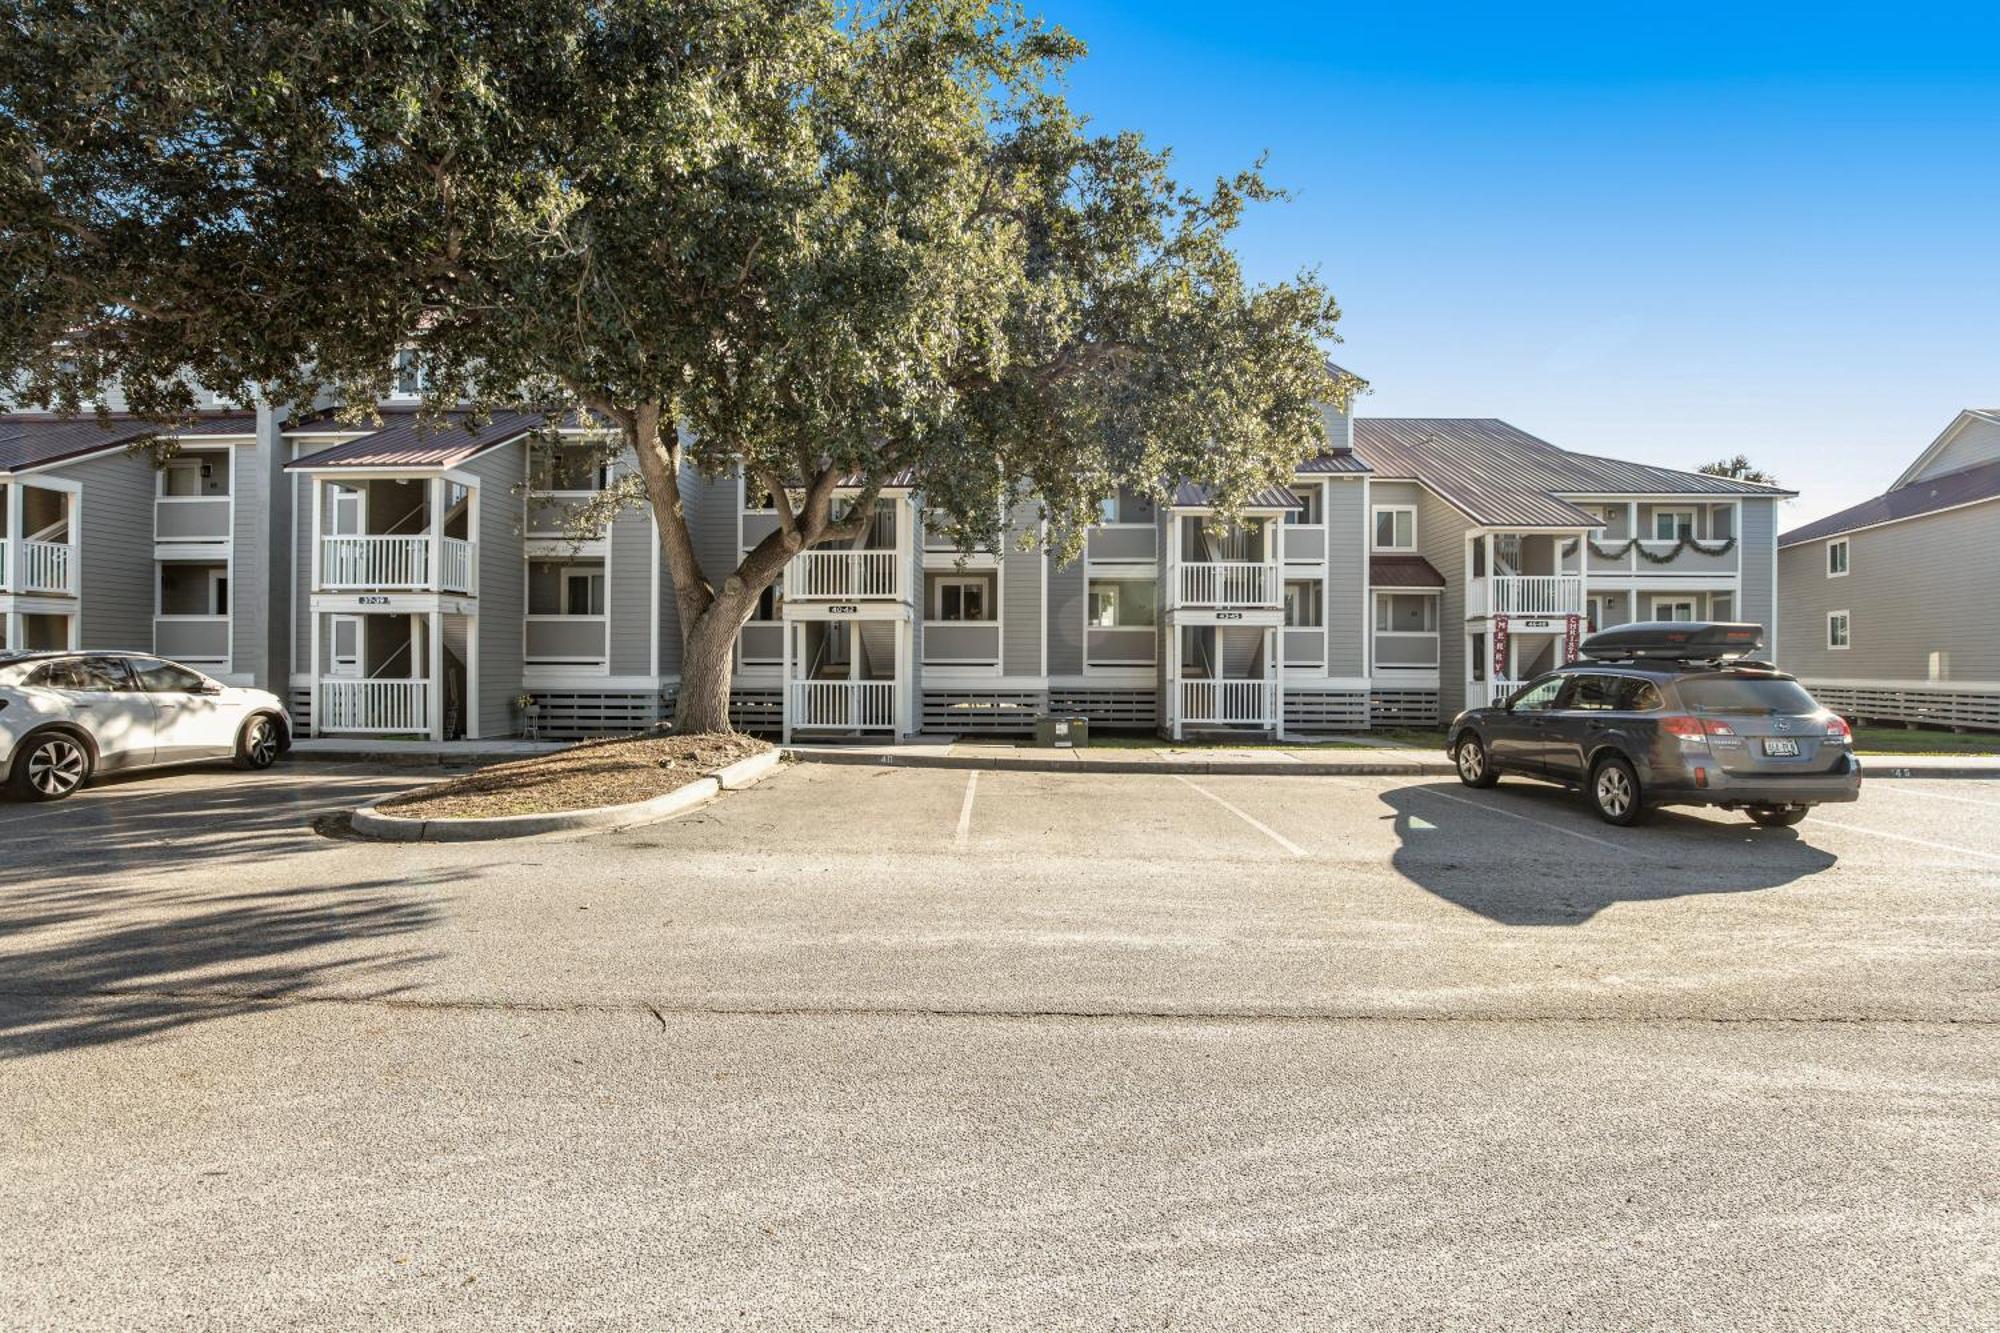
(1664, 512)
(564, 573)
(988, 593)
(1847, 623)
(1659, 600)
(1846, 558)
(1375, 526)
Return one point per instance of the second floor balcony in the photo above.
(845, 576)
(397, 564)
(1526, 595)
(395, 534)
(40, 568)
(1228, 584)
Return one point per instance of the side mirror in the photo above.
(210, 687)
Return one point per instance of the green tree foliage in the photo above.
(834, 246)
(1738, 468)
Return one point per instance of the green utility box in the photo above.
(1063, 733)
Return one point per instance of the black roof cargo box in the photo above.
(1673, 641)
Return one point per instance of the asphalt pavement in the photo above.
(882, 1048)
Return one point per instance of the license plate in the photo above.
(1781, 746)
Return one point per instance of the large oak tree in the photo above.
(827, 245)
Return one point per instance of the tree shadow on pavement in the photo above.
(136, 978)
(1473, 848)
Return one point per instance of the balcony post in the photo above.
(316, 491)
(434, 692)
(14, 552)
(434, 501)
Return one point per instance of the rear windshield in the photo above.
(1746, 694)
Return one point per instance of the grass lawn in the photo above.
(1899, 740)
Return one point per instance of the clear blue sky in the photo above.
(1663, 232)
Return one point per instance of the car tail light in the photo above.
(1695, 728)
(1838, 731)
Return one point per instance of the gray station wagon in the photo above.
(1666, 713)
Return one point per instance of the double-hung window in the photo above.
(1837, 630)
(960, 599)
(1671, 525)
(1836, 558)
(1395, 527)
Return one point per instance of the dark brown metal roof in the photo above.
(1500, 476)
(1403, 571)
(1963, 487)
(404, 440)
(35, 441)
(1187, 495)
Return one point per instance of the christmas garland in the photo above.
(1684, 543)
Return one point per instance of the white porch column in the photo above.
(434, 623)
(15, 492)
(785, 691)
(312, 666)
(899, 689)
(1175, 635)
(434, 489)
(1274, 671)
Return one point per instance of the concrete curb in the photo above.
(1413, 768)
(371, 822)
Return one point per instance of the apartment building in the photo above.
(1893, 605)
(405, 578)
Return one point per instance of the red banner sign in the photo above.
(1500, 648)
(1572, 639)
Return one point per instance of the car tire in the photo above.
(50, 766)
(1614, 792)
(258, 744)
(1778, 816)
(1475, 769)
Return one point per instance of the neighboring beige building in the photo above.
(1892, 607)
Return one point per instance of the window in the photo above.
(1596, 694)
(960, 599)
(1479, 657)
(182, 477)
(1836, 558)
(1405, 613)
(1111, 603)
(1304, 604)
(409, 374)
(583, 592)
(157, 677)
(1837, 629)
(82, 673)
(1107, 509)
(218, 593)
(1745, 695)
(1671, 525)
(1310, 512)
(1540, 696)
(1395, 528)
(1673, 608)
(1721, 606)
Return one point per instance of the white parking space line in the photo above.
(1262, 828)
(1899, 790)
(965, 811)
(1904, 837)
(1525, 819)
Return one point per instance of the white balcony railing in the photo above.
(47, 567)
(1528, 595)
(844, 575)
(375, 562)
(394, 563)
(1229, 702)
(1229, 583)
(1500, 691)
(373, 706)
(846, 705)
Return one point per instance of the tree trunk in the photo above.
(707, 666)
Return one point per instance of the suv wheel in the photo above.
(50, 767)
(1474, 770)
(1614, 793)
(257, 747)
(1779, 816)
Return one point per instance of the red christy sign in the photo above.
(1572, 639)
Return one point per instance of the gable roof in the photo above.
(35, 441)
(1966, 486)
(404, 440)
(1498, 475)
(1333, 461)
(1188, 495)
(1966, 417)
(1403, 571)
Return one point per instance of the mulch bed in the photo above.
(608, 772)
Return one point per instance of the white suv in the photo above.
(65, 717)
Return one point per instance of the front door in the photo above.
(193, 722)
(344, 652)
(1518, 736)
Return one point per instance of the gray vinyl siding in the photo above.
(712, 504)
(1979, 442)
(1756, 547)
(250, 608)
(503, 593)
(262, 470)
(1065, 618)
(628, 596)
(1393, 492)
(1021, 598)
(114, 529)
(1346, 592)
(1441, 533)
(1912, 589)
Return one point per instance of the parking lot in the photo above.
(904, 1046)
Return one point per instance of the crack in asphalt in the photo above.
(661, 1013)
